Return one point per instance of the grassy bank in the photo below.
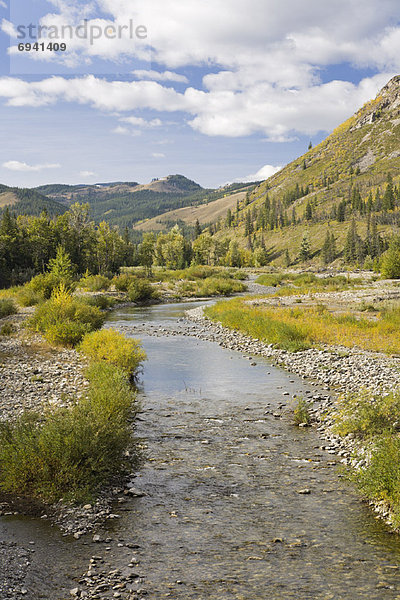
(72, 453)
(373, 419)
(299, 328)
(306, 283)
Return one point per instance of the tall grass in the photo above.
(71, 453)
(260, 324)
(306, 283)
(366, 414)
(7, 307)
(298, 328)
(380, 480)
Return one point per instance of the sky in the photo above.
(216, 90)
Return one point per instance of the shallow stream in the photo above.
(227, 514)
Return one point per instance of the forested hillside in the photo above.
(340, 199)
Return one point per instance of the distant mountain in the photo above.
(125, 203)
(128, 203)
(22, 201)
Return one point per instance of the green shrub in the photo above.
(301, 412)
(141, 290)
(7, 307)
(122, 282)
(71, 453)
(200, 272)
(64, 320)
(380, 480)
(237, 274)
(186, 289)
(113, 347)
(219, 286)
(26, 296)
(270, 279)
(44, 284)
(7, 329)
(102, 302)
(94, 283)
(367, 414)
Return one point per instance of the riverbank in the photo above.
(34, 376)
(340, 370)
(214, 448)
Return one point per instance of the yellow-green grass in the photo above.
(204, 213)
(306, 283)
(374, 418)
(298, 328)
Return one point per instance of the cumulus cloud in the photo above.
(264, 108)
(262, 65)
(86, 174)
(262, 174)
(7, 27)
(156, 76)
(16, 165)
(3, 4)
(121, 130)
(139, 122)
(158, 155)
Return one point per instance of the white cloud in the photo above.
(16, 165)
(121, 130)
(158, 155)
(139, 122)
(7, 27)
(276, 112)
(262, 174)
(86, 174)
(262, 64)
(156, 76)
(3, 4)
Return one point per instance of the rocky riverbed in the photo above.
(31, 373)
(339, 370)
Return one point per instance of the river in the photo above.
(239, 503)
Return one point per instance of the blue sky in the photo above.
(220, 90)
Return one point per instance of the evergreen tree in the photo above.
(305, 248)
(287, 262)
(352, 251)
(197, 228)
(329, 248)
(308, 213)
(388, 202)
(61, 266)
(341, 211)
(378, 201)
(391, 261)
(370, 203)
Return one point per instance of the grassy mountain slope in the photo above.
(206, 212)
(335, 177)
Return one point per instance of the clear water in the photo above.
(223, 518)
